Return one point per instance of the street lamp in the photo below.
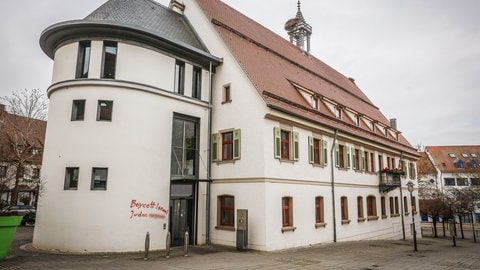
(410, 189)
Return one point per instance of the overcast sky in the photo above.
(417, 60)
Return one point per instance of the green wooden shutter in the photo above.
(296, 150)
(310, 150)
(348, 157)
(236, 144)
(364, 162)
(215, 146)
(337, 157)
(277, 142)
(354, 158)
(325, 152)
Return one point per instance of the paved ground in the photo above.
(433, 254)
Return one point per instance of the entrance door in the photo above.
(182, 201)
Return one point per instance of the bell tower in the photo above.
(299, 30)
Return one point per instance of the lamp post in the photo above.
(410, 189)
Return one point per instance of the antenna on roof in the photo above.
(299, 30)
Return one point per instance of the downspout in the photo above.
(333, 186)
(209, 165)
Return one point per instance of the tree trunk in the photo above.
(435, 227)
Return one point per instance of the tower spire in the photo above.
(299, 30)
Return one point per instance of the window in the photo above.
(226, 210)
(83, 59)
(284, 148)
(472, 164)
(452, 155)
(474, 155)
(464, 155)
(392, 207)
(462, 182)
(179, 86)
(319, 214)
(383, 207)
(372, 206)
(405, 205)
(3, 171)
(344, 208)
(316, 103)
(360, 208)
(414, 205)
(475, 181)
(358, 159)
(411, 170)
(317, 150)
(287, 217)
(71, 178)
(109, 59)
(35, 173)
(78, 110)
(99, 178)
(184, 160)
(104, 110)
(227, 95)
(342, 156)
(380, 162)
(449, 181)
(459, 164)
(197, 83)
(396, 206)
(229, 142)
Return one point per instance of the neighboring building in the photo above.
(445, 167)
(21, 146)
(170, 120)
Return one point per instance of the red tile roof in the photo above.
(445, 156)
(272, 64)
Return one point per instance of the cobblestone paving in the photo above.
(434, 253)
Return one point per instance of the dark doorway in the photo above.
(182, 213)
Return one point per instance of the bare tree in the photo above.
(22, 134)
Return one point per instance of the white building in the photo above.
(140, 92)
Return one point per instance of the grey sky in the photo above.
(417, 60)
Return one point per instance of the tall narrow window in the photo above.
(197, 83)
(285, 142)
(227, 94)
(344, 208)
(287, 215)
(414, 205)
(78, 110)
(109, 59)
(227, 145)
(71, 178)
(99, 178)
(396, 206)
(184, 159)
(83, 59)
(226, 211)
(392, 207)
(383, 206)
(179, 86)
(3, 171)
(405, 204)
(342, 158)
(380, 162)
(319, 216)
(360, 208)
(371, 206)
(104, 110)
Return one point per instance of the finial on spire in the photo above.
(299, 30)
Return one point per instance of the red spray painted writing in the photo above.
(144, 210)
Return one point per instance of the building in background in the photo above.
(21, 150)
(173, 119)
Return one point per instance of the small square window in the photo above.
(71, 178)
(104, 110)
(99, 178)
(78, 110)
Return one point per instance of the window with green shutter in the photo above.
(226, 145)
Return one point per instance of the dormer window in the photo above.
(338, 112)
(452, 155)
(459, 164)
(474, 155)
(464, 155)
(316, 103)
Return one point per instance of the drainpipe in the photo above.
(209, 165)
(333, 186)
(401, 198)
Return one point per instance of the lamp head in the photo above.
(410, 186)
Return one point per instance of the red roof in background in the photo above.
(425, 165)
(272, 63)
(445, 156)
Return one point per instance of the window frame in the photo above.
(83, 59)
(286, 148)
(383, 206)
(225, 210)
(360, 210)
(218, 146)
(344, 209)
(287, 212)
(197, 82)
(70, 173)
(78, 110)
(179, 77)
(105, 113)
(226, 94)
(109, 59)
(319, 211)
(371, 207)
(94, 179)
